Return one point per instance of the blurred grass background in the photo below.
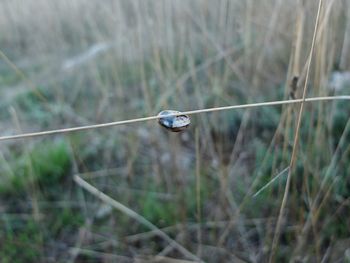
(68, 63)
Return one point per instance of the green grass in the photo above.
(46, 165)
(22, 244)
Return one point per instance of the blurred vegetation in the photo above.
(44, 165)
(85, 63)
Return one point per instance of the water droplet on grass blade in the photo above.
(174, 123)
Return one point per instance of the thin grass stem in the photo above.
(124, 122)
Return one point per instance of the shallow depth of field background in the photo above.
(77, 62)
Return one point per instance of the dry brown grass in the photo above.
(96, 62)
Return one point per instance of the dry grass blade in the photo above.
(115, 204)
(295, 143)
(124, 122)
(270, 182)
(198, 195)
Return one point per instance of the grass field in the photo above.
(174, 197)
